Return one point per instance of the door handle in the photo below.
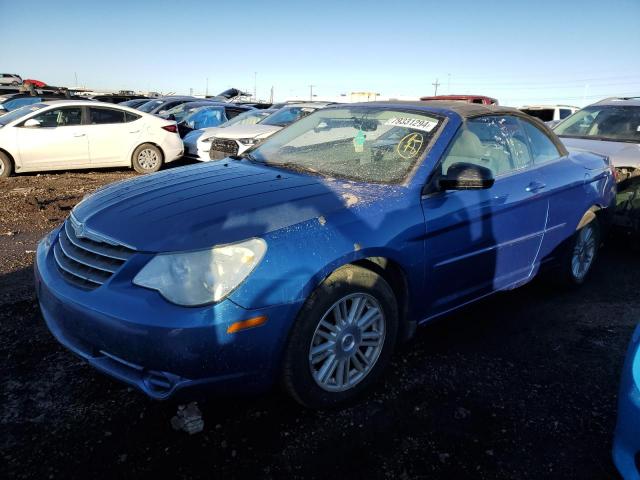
(80, 135)
(134, 131)
(534, 187)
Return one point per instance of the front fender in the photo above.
(301, 256)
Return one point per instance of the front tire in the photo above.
(147, 158)
(6, 165)
(342, 340)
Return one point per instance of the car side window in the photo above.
(102, 116)
(130, 117)
(564, 113)
(232, 112)
(495, 142)
(542, 148)
(60, 117)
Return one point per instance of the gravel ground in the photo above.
(522, 385)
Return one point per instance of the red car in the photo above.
(481, 99)
(35, 83)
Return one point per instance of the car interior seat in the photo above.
(468, 148)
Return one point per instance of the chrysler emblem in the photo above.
(78, 228)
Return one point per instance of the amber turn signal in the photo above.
(244, 324)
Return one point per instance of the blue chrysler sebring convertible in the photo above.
(306, 261)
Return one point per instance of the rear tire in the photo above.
(147, 158)
(328, 361)
(6, 165)
(580, 254)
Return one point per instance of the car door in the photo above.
(112, 135)
(59, 141)
(564, 187)
(480, 241)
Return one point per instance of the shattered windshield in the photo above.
(360, 143)
(614, 123)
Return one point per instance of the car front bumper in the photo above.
(626, 444)
(136, 336)
(197, 150)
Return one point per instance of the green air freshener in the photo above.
(358, 142)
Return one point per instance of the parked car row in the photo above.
(80, 133)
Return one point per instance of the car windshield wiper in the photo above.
(251, 158)
(292, 166)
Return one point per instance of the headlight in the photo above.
(248, 141)
(207, 140)
(205, 276)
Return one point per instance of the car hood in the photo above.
(214, 203)
(621, 154)
(247, 131)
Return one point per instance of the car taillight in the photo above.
(171, 128)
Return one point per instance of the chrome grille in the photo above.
(86, 262)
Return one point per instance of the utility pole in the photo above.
(271, 96)
(311, 92)
(255, 85)
(76, 74)
(206, 92)
(435, 86)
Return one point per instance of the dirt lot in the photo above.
(523, 385)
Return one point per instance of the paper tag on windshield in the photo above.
(415, 123)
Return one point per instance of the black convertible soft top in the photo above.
(466, 110)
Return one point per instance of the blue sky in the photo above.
(537, 51)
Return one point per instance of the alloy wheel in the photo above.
(148, 159)
(584, 252)
(347, 342)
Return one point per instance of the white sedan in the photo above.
(64, 135)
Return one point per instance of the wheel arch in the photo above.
(11, 158)
(596, 211)
(396, 277)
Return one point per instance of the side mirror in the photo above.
(32, 123)
(171, 116)
(466, 176)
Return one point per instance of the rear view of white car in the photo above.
(65, 135)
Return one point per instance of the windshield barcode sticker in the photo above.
(415, 123)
